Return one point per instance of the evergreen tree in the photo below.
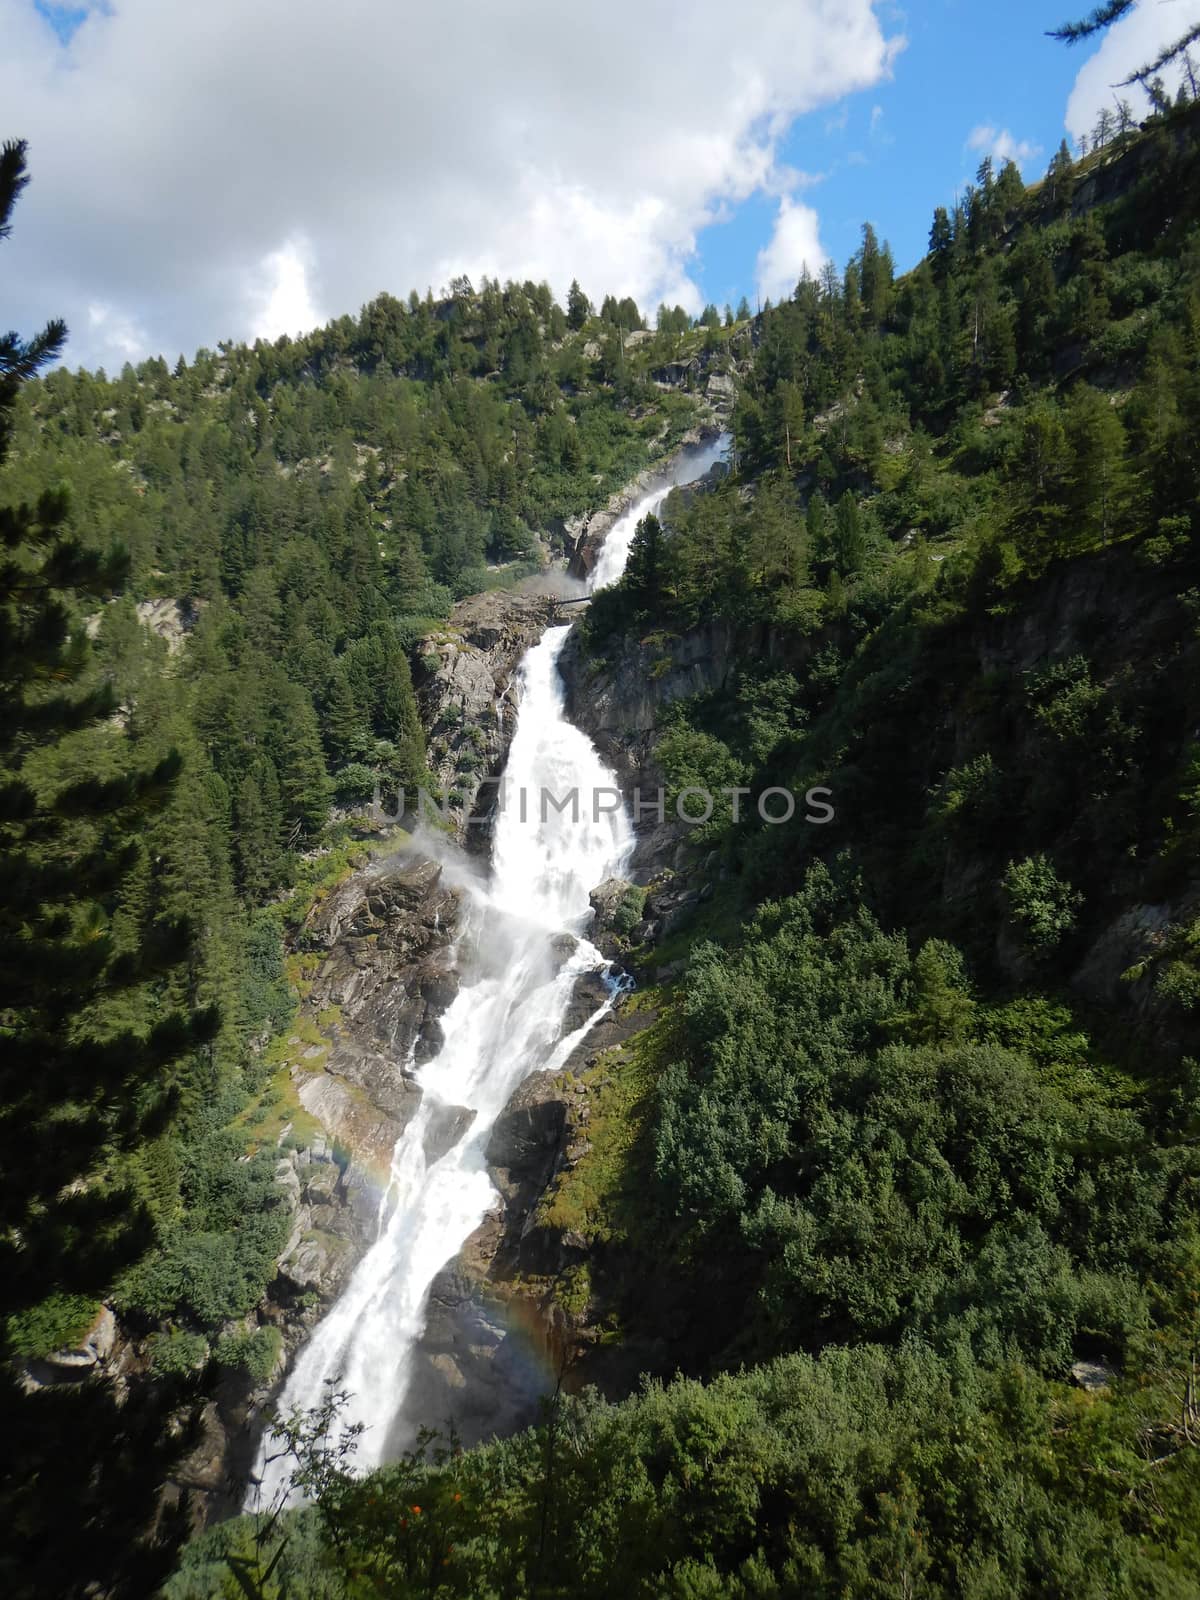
(1110, 11)
(579, 307)
(76, 1087)
(941, 239)
(644, 570)
(848, 539)
(1097, 477)
(304, 785)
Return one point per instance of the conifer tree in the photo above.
(644, 569)
(849, 542)
(77, 1087)
(579, 307)
(1112, 11)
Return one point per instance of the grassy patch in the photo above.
(318, 875)
(604, 1195)
(277, 1108)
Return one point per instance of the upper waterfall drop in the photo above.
(561, 828)
(614, 552)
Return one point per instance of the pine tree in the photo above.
(77, 1088)
(257, 837)
(1097, 477)
(1111, 11)
(644, 569)
(304, 787)
(1060, 180)
(397, 717)
(579, 307)
(941, 240)
(849, 540)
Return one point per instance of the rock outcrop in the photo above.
(386, 975)
(468, 697)
(383, 943)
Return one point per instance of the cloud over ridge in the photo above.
(216, 170)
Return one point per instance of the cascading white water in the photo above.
(614, 552)
(547, 856)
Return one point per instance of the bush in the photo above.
(1042, 905)
(354, 784)
(629, 913)
(60, 1321)
(175, 1354)
(255, 1351)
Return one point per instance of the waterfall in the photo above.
(560, 830)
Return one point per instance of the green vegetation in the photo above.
(55, 1323)
(215, 580)
(859, 1473)
(911, 1133)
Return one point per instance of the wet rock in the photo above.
(589, 994)
(606, 900)
(526, 1140)
(447, 1125)
(472, 1369)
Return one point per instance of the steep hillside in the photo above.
(905, 1110)
(210, 675)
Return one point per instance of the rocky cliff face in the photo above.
(468, 697)
(619, 700)
(386, 972)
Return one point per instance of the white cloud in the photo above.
(1001, 146)
(116, 337)
(1128, 45)
(209, 168)
(794, 245)
(282, 293)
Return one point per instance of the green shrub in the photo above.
(58, 1322)
(629, 913)
(255, 1351)
(1042, 905)
(175, 1354)
(354, 784)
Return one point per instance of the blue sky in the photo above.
(210, 169)
(890, 153)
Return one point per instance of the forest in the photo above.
(903, 1166)
(910, 1142)
(214, 585)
